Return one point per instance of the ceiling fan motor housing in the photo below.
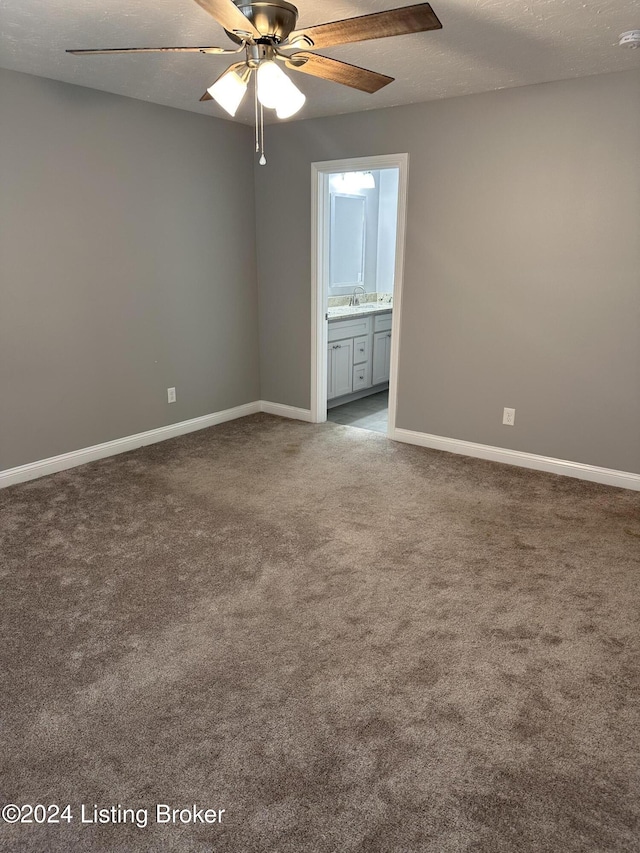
(274, 19)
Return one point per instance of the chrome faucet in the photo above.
(355, 299)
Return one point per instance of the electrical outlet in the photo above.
(509, 417)
(171, 395)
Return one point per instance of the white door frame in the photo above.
(319, 240)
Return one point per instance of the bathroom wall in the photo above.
(387, 221)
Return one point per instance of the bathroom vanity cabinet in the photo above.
(358, 354)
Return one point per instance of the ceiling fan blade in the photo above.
(205, 49)
(229, 16)
(395, 22)
(338, 72)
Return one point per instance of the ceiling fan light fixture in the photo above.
(352, 182)
(230, 89)
(269, 83)
(291, 104)
(276, 91)
(261, 28)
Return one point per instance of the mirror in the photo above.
(347, 240)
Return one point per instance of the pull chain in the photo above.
(255, 105)
(263, 159)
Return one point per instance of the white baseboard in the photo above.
(121, 445)
(32, 470)
(607, 476)
(285, 411)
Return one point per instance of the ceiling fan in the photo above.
(265, 29)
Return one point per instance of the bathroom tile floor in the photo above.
(367, 413)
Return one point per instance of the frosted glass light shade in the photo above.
(290, 104)
(269, 82)
(276, 91)
(229, 91)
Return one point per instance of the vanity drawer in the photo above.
(352, 328)
(361, 349)
(361, 377)
(382, 323)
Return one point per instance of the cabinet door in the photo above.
(342, 367)
(381, 357)
(330, 381)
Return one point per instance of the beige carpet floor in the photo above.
(346, 643)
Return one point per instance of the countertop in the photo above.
(342, 312)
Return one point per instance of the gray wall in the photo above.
(127, 265)
(522, 270)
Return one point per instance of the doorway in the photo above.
(369, 412)
(358, 227)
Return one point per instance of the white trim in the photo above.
(32, 470)
(319, 217)
(284, 411)
(319, 223)
(53, 464)
(398, 279)
(606, 476)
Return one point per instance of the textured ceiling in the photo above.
(484, 45)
